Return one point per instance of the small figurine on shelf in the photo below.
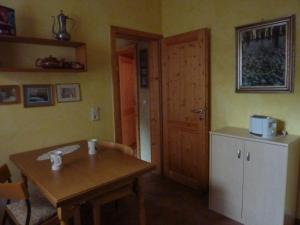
(62, 33)
(54, 63)
(49, 63)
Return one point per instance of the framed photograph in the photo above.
(144, 68)
(68, 92)
(9, 94)
(38, 95)
(265, 56)
(7, 21)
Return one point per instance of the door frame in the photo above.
(135, 35)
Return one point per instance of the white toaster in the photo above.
(263, 126)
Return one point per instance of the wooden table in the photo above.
(83, 177)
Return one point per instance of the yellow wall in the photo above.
(24, 129)
(229, 108)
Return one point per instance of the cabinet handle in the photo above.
(239, 153)
(248, 156)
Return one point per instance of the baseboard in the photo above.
(297, 222)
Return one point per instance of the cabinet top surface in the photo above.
(244, 134)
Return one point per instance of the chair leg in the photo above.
(117, 205)
(4, 218)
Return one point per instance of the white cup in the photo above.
(56, 160)
(92, 146)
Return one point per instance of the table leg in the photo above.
(63, 219)
(141, 201)
(97, 214)
(77, 216)
(65, 213)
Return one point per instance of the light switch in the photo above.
(95, 113)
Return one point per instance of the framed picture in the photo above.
(9, 94)
(7, 21)
(38, 95)
(144, 68)
(265, 56)
(68, 92)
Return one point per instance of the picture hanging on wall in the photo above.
(265, 56)
(144, 68)
(68, 92)
(7, 21)
(38, 95)
(9, 94)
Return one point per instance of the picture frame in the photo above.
(7, 21)
(38, 95)
(144, 71)
(68, 92)
(9, 94)
(265, 56)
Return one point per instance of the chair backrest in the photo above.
(5, 175)
(122, 148)
(13, 191)
(8, 190)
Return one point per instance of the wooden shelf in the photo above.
(39, 70)
(80, 52)
(40, 41)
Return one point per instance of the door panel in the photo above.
(226, 176)
(264, 184)
(186, 107)
(127, 74)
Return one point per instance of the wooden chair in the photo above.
(120, 192)
(26, 209)
(111, 145)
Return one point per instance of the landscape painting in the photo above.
(265, 59)
(9, 94)
(38, 95)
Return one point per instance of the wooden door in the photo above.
(185, 74)
(264, 183)
(128, 95)
(226, 176)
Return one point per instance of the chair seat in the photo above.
(41, 210)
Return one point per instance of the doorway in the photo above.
(127, 64)
(137, 92)
(179, 102)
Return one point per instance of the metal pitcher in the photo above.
(62, 33)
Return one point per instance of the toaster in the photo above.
(263, 126)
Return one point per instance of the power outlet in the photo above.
(95, 113)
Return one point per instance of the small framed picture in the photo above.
(9, 94)
(38, 95)
(68, 92)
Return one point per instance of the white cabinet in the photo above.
(252, 180)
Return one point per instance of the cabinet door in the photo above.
(264, 183)
(226, 176)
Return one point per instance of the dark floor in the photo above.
(167, 203)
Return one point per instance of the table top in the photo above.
(81, 173)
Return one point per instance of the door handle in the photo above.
(200, 112)
(248, 156)
(239, 153)
(197, 110)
